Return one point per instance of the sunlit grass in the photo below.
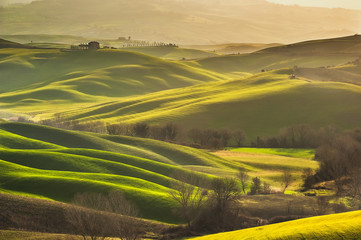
(335, 226)
(288, 152)
(270, 167)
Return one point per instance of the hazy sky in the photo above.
(352, 4)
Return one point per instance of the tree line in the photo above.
(294, 136)
(298, 136)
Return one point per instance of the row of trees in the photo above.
(295, 136)
(299, 136)
(200, 138)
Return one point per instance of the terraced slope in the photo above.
(335, 226)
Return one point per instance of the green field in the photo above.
(291, 152)
(336, 226)
(56, 164)
(214, 92)
(255, 104)
(269, 165)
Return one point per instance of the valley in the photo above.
(152, 121)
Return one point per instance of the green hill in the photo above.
(173, 53)
(46, 74)
(8, 44)
(342, 45)
(335, 226)
(226, 91)
(233, 48)
(310, 54)
(56, 164)
(260, 104)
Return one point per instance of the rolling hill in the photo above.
(54, 164)
(234, 48)
(80, 75)
(9, 44)
(336, 226)
(310, 54)
(260, 104)
(237, 91)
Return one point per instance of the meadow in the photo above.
(234, 91)
(260, 92)
(54, 164)
(336, 226)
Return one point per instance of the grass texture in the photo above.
(56, 164)
(335, 226)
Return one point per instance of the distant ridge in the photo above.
(347, 44)
(8, 44)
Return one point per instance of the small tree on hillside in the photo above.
(286, 179)
(224, 190)
(256, 185)
(239, 137)
(243, 178)
(187, 193)
(308, 178)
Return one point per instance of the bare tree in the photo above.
(86, 222)
(127, 226)
(308, 179)
(243, 178)
(356, 183)
(98, 216)
(187, 193)
(171, 131)
(225, 135)
(239, 137)
(224, 190)
(286, 179)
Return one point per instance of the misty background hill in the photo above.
(180, 21)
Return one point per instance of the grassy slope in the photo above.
(270, 166)
(335, 226)
(50, 74)
(9, 44)
(316, 53)
(102, 84)
(260, 104)
(56, 164)
(290, 152)
(173, 53)
(234, 48)
(15, 235)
